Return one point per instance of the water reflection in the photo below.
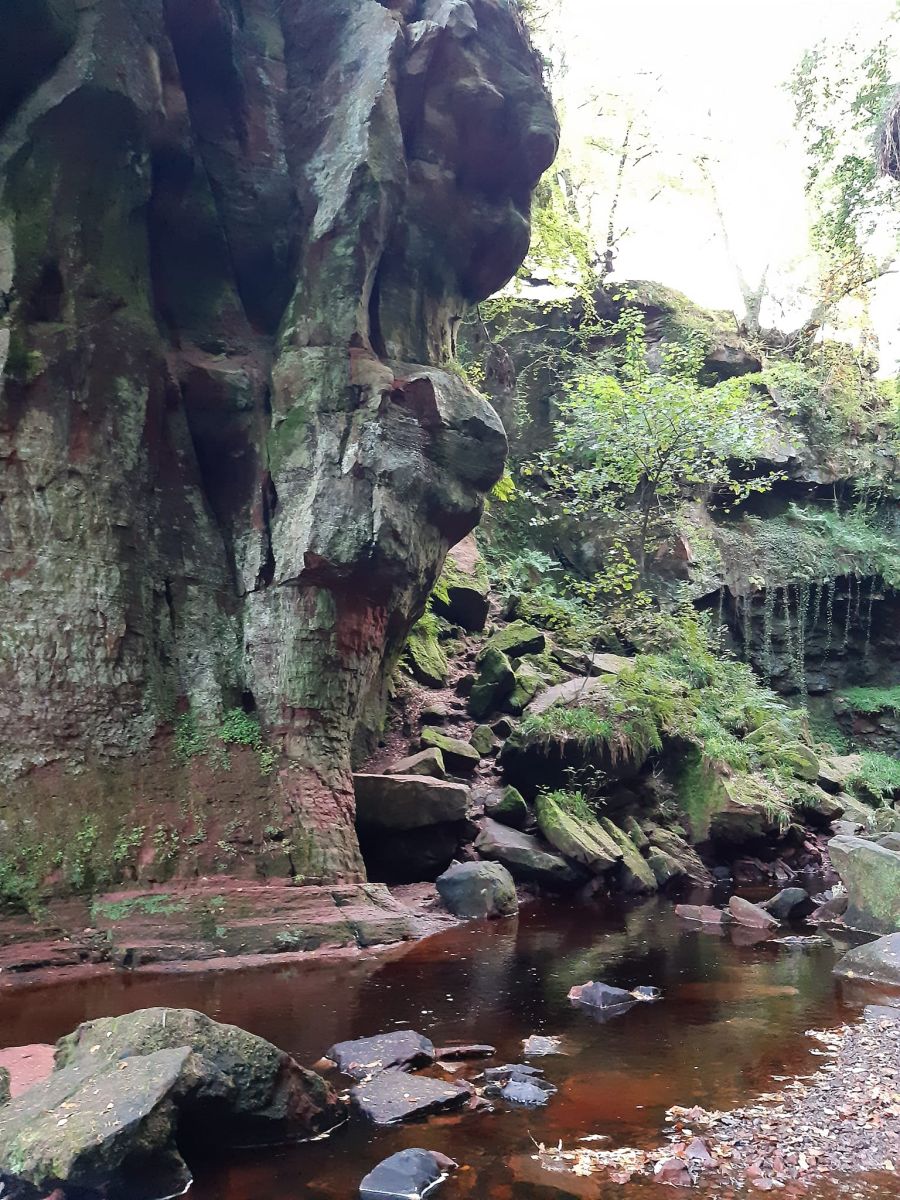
(731, 1018)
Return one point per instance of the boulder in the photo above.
(836, 771)
(583, 840)
(393, 1096)
(461, 757)
(529, 682)
(125, 1089)
(408, 801)
(527, 1093)
(876, 962)
(750, 915)
(525, 857)
(636, 876)
(509, 808)
(427, 762)
(364, 1057)
(462, 594)
(664, 867)
(790, 904)
(687, 861)
(478, 889)
(518, 639)
(406, 1175)
(483, 739)
(819, 807)
(493, 683)
(871, 875)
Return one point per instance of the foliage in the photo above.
(629, 447)
(878, 774)
(156, 905)
(236, 728)
(872, 700)
(574, 804)
(842, 93)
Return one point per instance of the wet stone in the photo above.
(539, 1047)
(526, 1093)
(600, 995)
(385, 1051)
(394, 1096)
(407, 1175)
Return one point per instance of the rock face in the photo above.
(234, 252)
(126, 1089)
(871, 875)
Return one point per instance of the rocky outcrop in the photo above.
(871, 875)
(235, 245)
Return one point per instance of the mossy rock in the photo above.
(4, 1086)
(518, 639)
(493, 683)
(635, 873)
(461, 594)
(483, 739)
(426, 657)
(871, 875)
(461, 757)
(529, 682)
(582, 840)
(509, 809)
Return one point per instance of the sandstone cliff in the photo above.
(236, 240)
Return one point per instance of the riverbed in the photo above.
(732, 1023)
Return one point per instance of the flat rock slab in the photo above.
(524, 856)
(83, 1124)
(407, 1175)
(383, 1052)
(703, 914)
(408, 801)
(463, 1053)
(393, 1096)
(461, 757)
(750, 915)
(573, 691)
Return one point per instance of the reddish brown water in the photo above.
(732, 1019)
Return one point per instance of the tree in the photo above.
(632, 446)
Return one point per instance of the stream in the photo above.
(731, 1020)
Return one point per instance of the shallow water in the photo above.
(731, 1020)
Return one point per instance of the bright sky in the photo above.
(722, 64)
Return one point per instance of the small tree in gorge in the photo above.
(633, 445)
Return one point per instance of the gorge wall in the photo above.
(236, 240)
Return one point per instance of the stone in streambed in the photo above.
(578, 837)
(408, 1175)
(392, 1096)
(478, 889)
(402, 802)
(461, 757)
(677, 850)
(600, 995)
(509, 808)
(790, 904)
(635, 875)
(525, 1093)
(871, 875)
(525, 857)
(537, 1046)
(876, 962)
(750, 915)
(363, 1057)
(427, 762)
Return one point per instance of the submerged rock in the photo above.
(600, 995)
(537, 1046)
(525, 857)
(125, 1089)
(704, 914)
(478, 889)
(393, 1096)
(364, 1057)
(407, 1175)
(528, 1093)
(871, 875)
